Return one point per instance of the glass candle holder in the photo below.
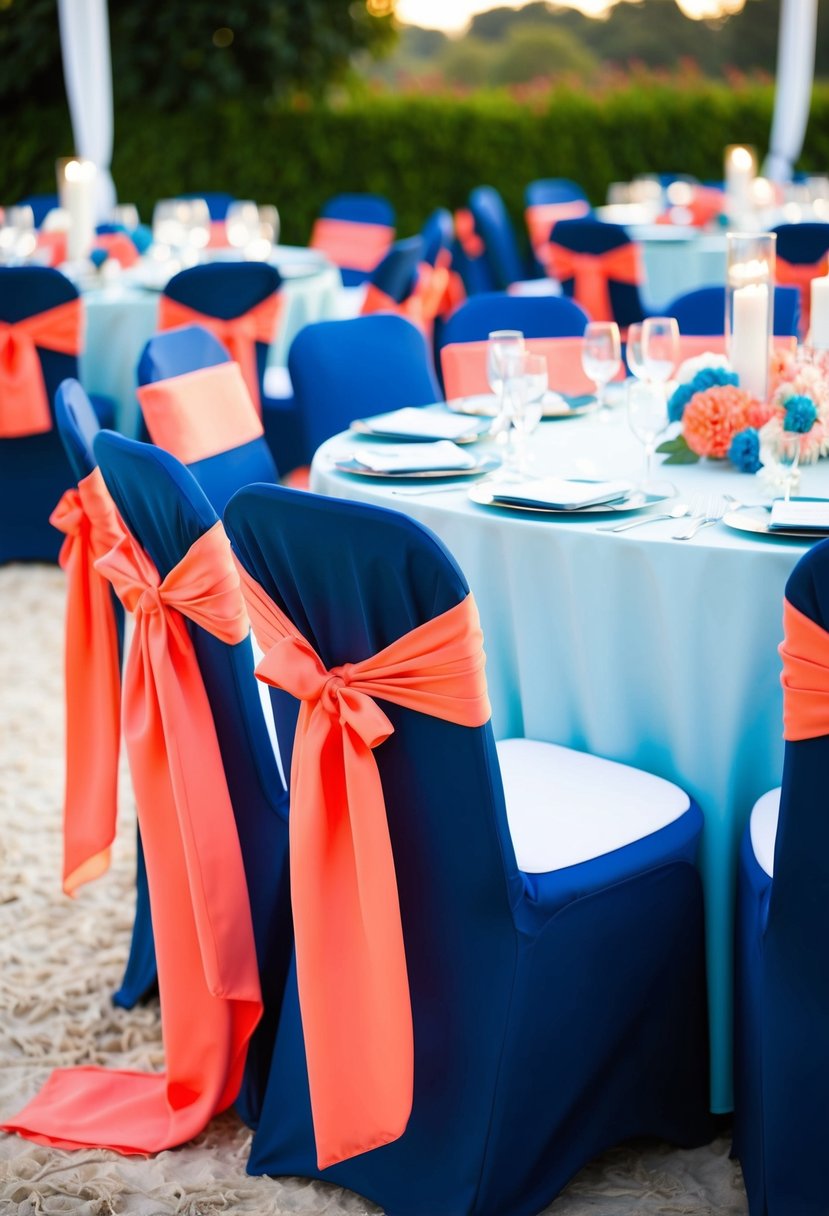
(749, 307)
(739, 172)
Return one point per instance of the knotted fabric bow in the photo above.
(800, 275)
(201, 413)
(92, 668)
(239, 334)
(351, 963)
(542, 217)
(467, 234)
(24, 403)
(207, 972)
(352, 245)
(805, 677)
(593, 272)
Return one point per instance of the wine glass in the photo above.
(788, 457)
(525, 383)
(196, 223)
(242, 223)
(648, 418)
(660, 348)
(601, 355)
(127, 215)
(499, 343)
(633, 352)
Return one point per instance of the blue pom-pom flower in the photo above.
(801, 414)
(744, 452)
(706, 377)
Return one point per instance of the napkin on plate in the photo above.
(425, 424)
(806, 514)
(415, 458)
(561, 495)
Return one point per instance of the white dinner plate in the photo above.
(638, 500)
(484, 464)
(554, 405)
(479, 428)
(756, 520)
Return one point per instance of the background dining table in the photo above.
(658, 652)
(121, 317)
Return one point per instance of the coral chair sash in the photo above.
(800, 275)
(427, 300)
(119, 246)
(805, 677)
(24, 404)
(200, 413)
(593, 272)
(468, 236)
(351, 963)
(352, 245)
(464, 366)
(239, 334)
(208, 981)
(540, 218)
(93, 681)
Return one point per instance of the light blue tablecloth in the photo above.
(121, 317)
(678, 262)
(635, 646)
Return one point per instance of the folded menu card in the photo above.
(415, 458)
(432, 424)
(803, 513)
(558, 494)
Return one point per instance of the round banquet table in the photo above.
(635, 646)
(121, 317)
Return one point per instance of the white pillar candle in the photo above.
(750, 338)
(820, 314)
(739, 175)
(79, 201)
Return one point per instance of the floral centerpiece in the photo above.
(720, 420)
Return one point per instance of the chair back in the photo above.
(354, 231)
(547, 201)
(702, 311)
(600, 267)
(438, 233)
(164, 508)
(494, 226)
(230, 449)
(217, 202)
(802, 255)
(535, 316)
(469, 254)
(342, 370)
(395, 278)
(34, 470)
(77, 425)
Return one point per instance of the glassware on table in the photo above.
(242, 223)
(648, 419)
(499, 343)
(127, 215)
(601, 357)
(169, 220)
(269, 224)
(633, 352)
(788, 458)
(525, 383)
(196, 222)
(660, 348)
(18, 238)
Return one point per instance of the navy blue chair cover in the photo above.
(396, 275)
(554, 1014)
(186, 349)
(34, 470)
(41, 205)
(535, 316)
(438, 233)
(782, 993)
(802, 243)
(362, 209)
(702, 311)
(494, 226)
(342, 370)
(595, 236)
(167, 512)
(227, 290)
(78, 426)
(554, 190)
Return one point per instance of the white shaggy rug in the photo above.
(61, 959)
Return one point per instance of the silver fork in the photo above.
(713, 513)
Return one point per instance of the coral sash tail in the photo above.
(592, 272)
(351, 963)
(805, 677)
(208, 981)
(239, 334)
(92, 666)
(24, 403)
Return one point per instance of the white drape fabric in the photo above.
(793, 90)
(87, 69)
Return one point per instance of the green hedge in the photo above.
(420, 151)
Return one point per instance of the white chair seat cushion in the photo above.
(565, 806)
(763, 829)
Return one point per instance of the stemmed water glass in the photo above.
(788, 457)
(601, 356)
(242, 223)
(648, 418)
(525, 383)
(634, 355)
(500, 343)
(660, 348)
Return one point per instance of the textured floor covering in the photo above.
(61, 959)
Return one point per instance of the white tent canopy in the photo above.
(793, 90)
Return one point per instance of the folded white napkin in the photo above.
(415, 458)
(803, 513)
(562, 495)
(427, 424)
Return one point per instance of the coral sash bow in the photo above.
(352, 245)
(542, 217)
(805, 677)
(351, 962)
(800, 275)
(593, 272)
(425, 301)
(93, 681)
(239, 334)
(208, 981)
(24, 404)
